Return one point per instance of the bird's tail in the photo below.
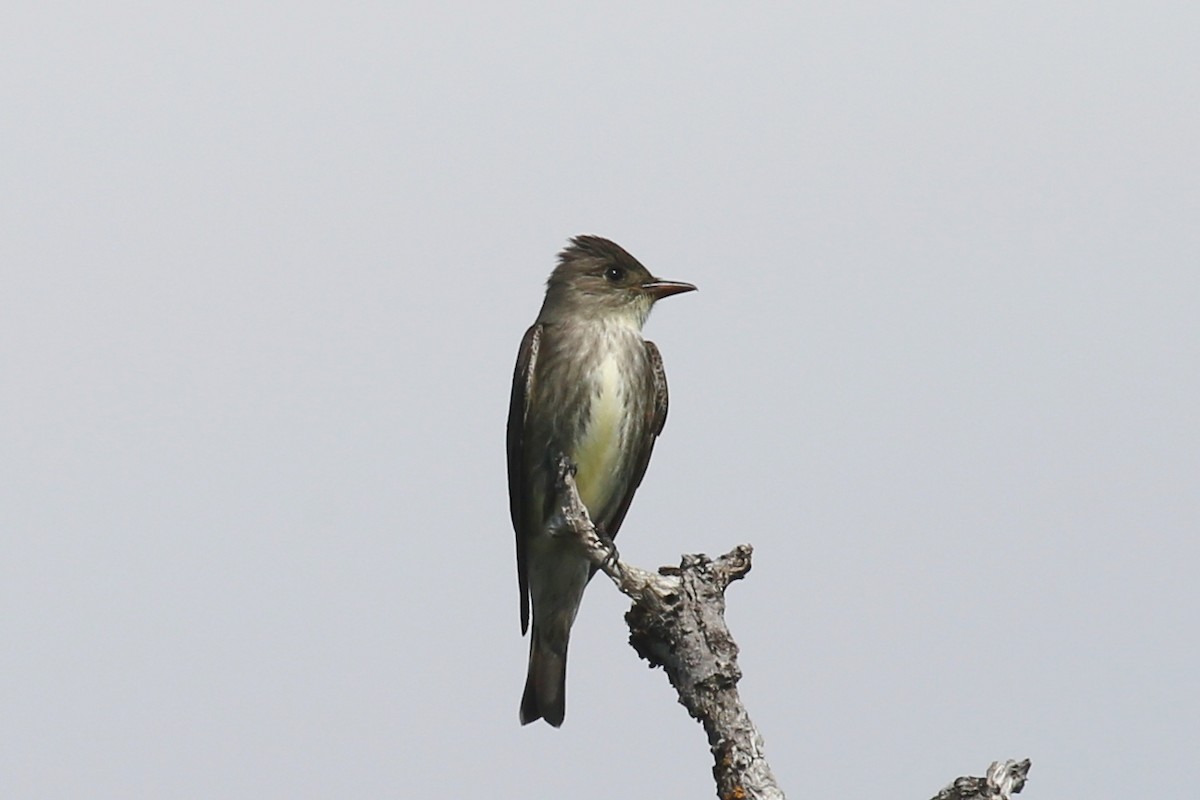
(546, 682)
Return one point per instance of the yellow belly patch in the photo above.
(598, 453)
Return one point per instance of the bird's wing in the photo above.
(655, 419)
(518, 493)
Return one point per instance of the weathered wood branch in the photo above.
(677, 622)
(1001, 782)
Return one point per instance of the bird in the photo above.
(587, 386)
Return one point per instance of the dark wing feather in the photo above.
(518, 492)
(656, 419)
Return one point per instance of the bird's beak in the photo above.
(660, 289)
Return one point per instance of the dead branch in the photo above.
(677, 622)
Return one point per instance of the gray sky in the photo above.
(267, 269)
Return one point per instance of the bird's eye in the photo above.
(614, 274)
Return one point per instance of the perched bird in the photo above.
(587, 386)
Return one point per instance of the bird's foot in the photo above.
(611, 556)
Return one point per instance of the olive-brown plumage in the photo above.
(586, 385)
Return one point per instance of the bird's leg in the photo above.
(568, 504)
(611, 556)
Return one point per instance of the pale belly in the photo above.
(598, 455)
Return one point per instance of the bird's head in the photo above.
(596, 277)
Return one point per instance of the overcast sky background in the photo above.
(266, 270)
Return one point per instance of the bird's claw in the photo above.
(611, 556)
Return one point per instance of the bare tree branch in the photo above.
(1001, 782)
(677, 622)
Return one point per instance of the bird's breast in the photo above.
(599, 451)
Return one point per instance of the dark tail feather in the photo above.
(546, 682)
